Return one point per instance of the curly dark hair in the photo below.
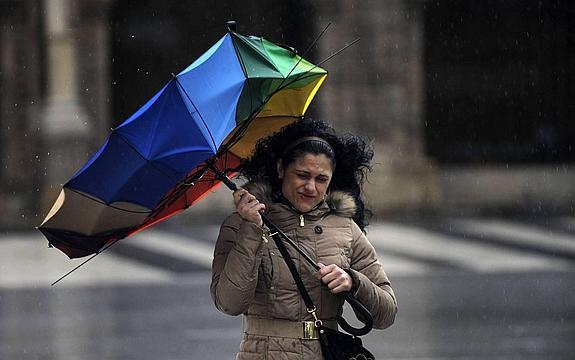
(351, 159)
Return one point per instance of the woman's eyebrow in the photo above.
(302, 171)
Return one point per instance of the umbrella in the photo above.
(174, 149)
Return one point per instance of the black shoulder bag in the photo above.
(335, 345)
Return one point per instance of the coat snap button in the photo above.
(318, 229)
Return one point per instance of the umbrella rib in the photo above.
(335, 53)
(68, 243)
(84, 262)
(186, 183)
(243, 65)
(323, 61)
(301, 76)
(238, 134)
(254, 114)
(304, 54)
(160, 170)
(307, 72)
(280, 87)
(104, 203)
(244, 125)
(156, 124)
(197, 110)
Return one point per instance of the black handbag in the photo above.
(335, 345)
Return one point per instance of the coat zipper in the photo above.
(301, 220)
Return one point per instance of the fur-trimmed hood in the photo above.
(339, 202)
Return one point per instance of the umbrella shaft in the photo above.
(273, 227)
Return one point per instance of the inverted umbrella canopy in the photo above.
(159, 161)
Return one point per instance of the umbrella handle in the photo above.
(361, 311)
(273, 227)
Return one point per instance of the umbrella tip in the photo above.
(231, 25)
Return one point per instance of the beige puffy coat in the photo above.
(250, 277)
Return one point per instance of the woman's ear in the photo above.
(280, 169)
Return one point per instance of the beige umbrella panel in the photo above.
(92, 216)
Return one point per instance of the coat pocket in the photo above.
(281, 276)
(266, 272)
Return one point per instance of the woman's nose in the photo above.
(310, 185)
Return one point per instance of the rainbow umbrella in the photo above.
(165, 156)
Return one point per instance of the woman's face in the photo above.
(305, 181)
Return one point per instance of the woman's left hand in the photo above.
(336, 279)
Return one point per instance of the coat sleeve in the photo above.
(370, 283)
(237, 257)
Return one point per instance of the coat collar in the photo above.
(337, 202)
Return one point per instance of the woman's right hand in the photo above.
(248, 206)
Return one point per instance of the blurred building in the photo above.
(468, 103)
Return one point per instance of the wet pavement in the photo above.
(456, 316)
(129, 307)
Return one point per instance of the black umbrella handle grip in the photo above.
(226, 180)
(362, 313)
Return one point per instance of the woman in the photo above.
(308, 181)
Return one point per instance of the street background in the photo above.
(469, 108)
(467, 289)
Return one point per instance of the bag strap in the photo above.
(363, 314)
(294, 273)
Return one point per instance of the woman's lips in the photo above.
(307, 198)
